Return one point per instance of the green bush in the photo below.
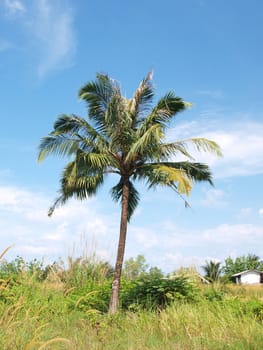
(154, 293)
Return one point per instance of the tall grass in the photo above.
(67, 310)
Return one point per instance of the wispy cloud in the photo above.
(50, 39)
(214, 198)
(215, 94)
(14, 7)
(261, 212)
(53, 29)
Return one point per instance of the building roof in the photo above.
(247, 271)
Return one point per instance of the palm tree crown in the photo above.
(212, 270)
(125, 137)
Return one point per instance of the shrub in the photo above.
(154, 293)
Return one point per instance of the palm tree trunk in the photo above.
(114, 301)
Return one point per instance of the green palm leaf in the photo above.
(142, 99)
(116, 194)
(164, 175)
(205, 145)
(165, 110)
(197, 172)
(57, 145)
(146, 144)
(98, 95)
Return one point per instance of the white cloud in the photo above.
(241, 143)
(170, 246)
(53, 30)
(80, 227)
(176, 261)
(144, 237)
(14, 7)
(173, 261)
(261, 212)
(50, 38)
(233, 234)
(214, 198)
(24, 223)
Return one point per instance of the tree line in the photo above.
(217, 271)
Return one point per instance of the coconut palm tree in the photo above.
(125, 137)
(212, 270)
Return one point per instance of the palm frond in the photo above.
(146, 144)
(87, 162)
(98, 95)
(197, 172)
(116, 194)
(205, 145)
(119, 124)
(76, 174)
(59, 202)
(180, 147)
(167, 107)
(70, 124)
(167, 150)
(142, 98)
(58, 145)
(81, 188)
(77, 182)
(178, 176)
(160, 174)
(70, 134)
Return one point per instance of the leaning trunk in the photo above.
(114, 301)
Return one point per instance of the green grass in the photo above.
(199, 326)
(52, 314)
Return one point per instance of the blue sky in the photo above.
(208, 52)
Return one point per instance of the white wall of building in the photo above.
(250, 278)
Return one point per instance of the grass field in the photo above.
(64, 313)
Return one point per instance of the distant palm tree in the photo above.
(212, 270)
(124, 137)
